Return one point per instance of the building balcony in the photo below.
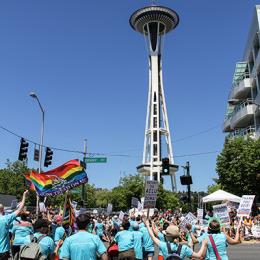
(244, 132)
(241, 89)
(227, 125)
(243, 115)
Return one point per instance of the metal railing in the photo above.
(249, 131)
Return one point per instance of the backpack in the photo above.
(173, 255)
(31, 251)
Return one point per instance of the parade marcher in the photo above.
(147, 244)
(46, 243)
(138, 241)
(125, 242)
(83, 245)
(20, 230)
(5, 221)
(172, 246)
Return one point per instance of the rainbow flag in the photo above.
(68, 213)
(54, 182)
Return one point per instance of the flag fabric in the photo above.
(28, 181)
(54, 182)
(68, 212)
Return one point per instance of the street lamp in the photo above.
(33, 95)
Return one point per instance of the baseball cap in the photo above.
(172, 231)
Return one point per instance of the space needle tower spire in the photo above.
(154, 22)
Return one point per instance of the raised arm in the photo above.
(155, 230)
(17, 212)
(236, 240)
(202, 251)
(155, 239)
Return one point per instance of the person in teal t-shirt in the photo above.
(46, 243)
(83, 245)
(5, 222)
(172, 235)
(125, 242)
(138, 241)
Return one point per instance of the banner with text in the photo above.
(150, 197)
(189, 219)
(221, 211)
(200, 215)
(245, 205)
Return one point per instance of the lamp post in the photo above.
(33, 95)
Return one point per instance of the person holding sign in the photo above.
(171, 245)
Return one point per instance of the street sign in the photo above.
(95, 159)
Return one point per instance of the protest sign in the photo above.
(134, 202)
(121, 215)
(256, 231)
(139, 206)
(188, 219)
(200, 215)
(109, 208)
(221, 211)
(42, 207)
(151, 188)
(245, 205)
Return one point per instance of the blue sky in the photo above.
(89, 69)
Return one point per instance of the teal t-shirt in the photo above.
(124, 240)
(185, 250)
(221, 244)
(161, 238)
(46, 244)
(147, 240)
(99, 229)
(82, 245)
(132, 222)
(21, 231)
(5, 222)
(138, 244)
(59, 233)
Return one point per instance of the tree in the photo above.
(214, 187)
(238, 166)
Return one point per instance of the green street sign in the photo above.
(95, 159)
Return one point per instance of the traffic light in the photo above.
(165, 166)
(36, 155)
(186, 180)
(23, 150)
(48, 157)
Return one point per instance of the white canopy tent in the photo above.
(221, 195)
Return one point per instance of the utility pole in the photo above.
(189, 195)
(83, 188)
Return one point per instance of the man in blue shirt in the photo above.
(125, 241)
(138, 241)
(147, 243)
(5, 222)
(83, 245)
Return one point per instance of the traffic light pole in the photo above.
(189, 193)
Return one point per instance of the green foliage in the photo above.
(166, 199)
(214, 187)
(238, 166)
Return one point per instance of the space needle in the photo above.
(154, 22)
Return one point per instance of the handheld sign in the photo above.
(200, 215)
(121, 215)
(245, 205)
(221, 211)
(139, 206)
(151, 188)
(189, 219)
(109, 208)
(134, 202)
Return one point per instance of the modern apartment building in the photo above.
(243, 109)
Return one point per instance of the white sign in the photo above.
(189, 219)
(151, 188)
(109, 208)
(134, 202)
(200, 215)
(245, 205)
(121, 215)
(256, 231)
(221, 211)
(139, 206)
(42, 207)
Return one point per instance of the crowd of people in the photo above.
(102, 236)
